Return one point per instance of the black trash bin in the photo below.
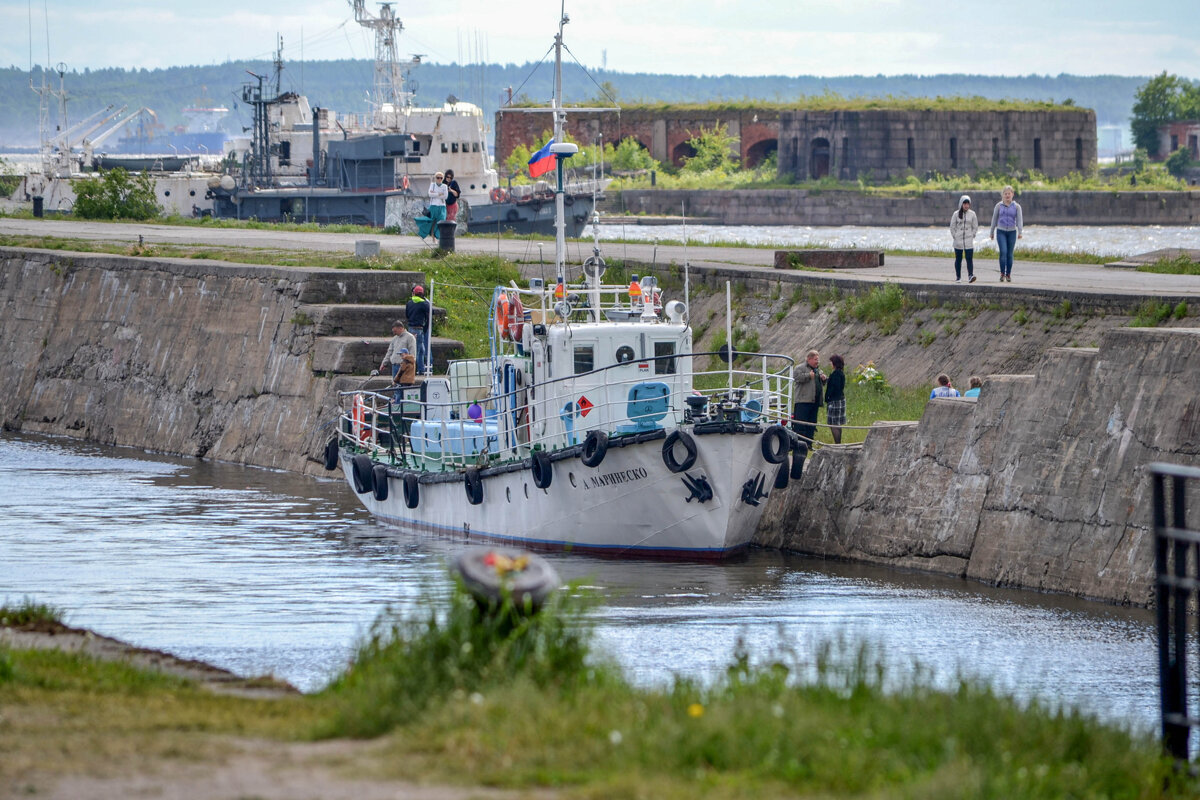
(37, 207)
(445, 232)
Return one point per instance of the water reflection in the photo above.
(260, 571)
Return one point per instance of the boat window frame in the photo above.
(662, 364)
(576, 349)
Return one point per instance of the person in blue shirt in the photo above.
(944, 389)
(975, 383)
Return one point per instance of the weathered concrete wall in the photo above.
(888, 143)
(1040, 484)
(803, 207)
(189, 357)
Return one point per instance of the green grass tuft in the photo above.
(29, 613)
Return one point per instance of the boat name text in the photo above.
(615, 478)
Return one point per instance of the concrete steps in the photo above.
(357, 319)
(355, 355)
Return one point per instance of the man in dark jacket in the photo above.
(419, 314)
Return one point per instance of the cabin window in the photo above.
(444, 148)
(285, 153)
(474, 147)
(664, 365)
(624, 354)
(585, 358)
(466, 147)
(454, 147)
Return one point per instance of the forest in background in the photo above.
(343, 86)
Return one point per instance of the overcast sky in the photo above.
(701, 37)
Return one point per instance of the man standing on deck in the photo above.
(419, 315)
(809, 391)
(402, 344)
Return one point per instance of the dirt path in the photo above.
(243, 769)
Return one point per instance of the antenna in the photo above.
(389, 83)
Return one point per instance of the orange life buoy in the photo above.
(404, 183)
(502, 315)
(358, 413)
(497, 195)
(516, 319)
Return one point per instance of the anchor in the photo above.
(752, 490)
(700, 488)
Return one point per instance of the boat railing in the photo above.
(396, 427)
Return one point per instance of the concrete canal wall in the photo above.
(1041, 483)
(807, 207)
(190, 357)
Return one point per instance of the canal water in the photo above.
(269, 572)
(1107, 240)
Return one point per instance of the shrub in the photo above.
(116, 195)
(1178, 161)
(870, 377)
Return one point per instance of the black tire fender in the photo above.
(412, 490)
(362, 470)
(513, 215)
(331, 454)
(594, 448)
(529, 587)
(668, 451)
(542, 469)
(781, 477)
(775, 444)
(474, 483)
(380, 478)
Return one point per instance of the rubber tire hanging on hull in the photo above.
(781, 477)
(542, 469)
(363, 472)
(668, 451)
(775, 444)
(379, 475)
(474, 483)
(412, 490)
(594, 448)
(331, 454)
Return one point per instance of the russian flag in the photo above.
(542, 161)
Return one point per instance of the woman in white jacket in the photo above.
(963, 227)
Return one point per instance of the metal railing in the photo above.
(400, 428)
(1177, 588)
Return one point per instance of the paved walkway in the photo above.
(904, 269)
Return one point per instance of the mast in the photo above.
(561, 150)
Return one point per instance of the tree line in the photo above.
(342, 85)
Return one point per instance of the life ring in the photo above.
(358, 413)
(542, 469)
(404, 183)
(363, 472)
(668, 451)
(331, 454)
(510, 317)
(594, 448)
(497, 195)
(380, 476)
(412, 490)
(498, 575)
(781, 477)
(474, 484)
(775, 444)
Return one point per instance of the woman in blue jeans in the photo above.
(1007, 227)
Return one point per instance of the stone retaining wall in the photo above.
(182, 356)
(806, 207)
(1041, 483)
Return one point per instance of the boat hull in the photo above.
(630, 505)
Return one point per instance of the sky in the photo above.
(691, 37)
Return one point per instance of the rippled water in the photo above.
(260, 571)
(1108, 240)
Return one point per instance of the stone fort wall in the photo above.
(845, 144)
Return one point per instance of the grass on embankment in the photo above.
(523, 703)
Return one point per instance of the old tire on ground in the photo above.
(331, 454)
(775, 444)
(594, 448)
(542, 469)
(492, 573)
(474, 483)
(668, 451)
(380, 477)
(412, 490)
(363, 472)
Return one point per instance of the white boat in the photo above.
(590, 427)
